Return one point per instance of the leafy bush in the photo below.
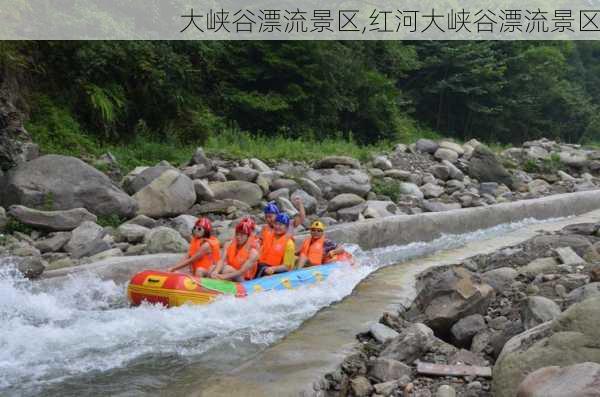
(391, 190)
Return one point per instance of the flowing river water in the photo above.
(79, 337)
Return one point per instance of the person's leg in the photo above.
(260, 272)
(201, 273)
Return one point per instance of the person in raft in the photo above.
(240, 254)
(317, 250)
(271, 211)
(277, 255)
(204, 251)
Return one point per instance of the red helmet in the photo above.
(245, 226)
(248, 219)
(204, 223)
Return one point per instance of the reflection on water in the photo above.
(79, 337)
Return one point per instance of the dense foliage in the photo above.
(367, 91)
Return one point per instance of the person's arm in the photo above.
(245, 267)
(221, 263)
(301, 261)
(204, 249)
(299, 219)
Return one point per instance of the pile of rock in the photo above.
(522, 321)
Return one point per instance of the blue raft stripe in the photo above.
(292, 279)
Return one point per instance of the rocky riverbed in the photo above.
(53, 205)
(522, 321)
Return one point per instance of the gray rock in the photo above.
(310, 187)
(382, 333)
(344, 200)
(565, 177)
(381, 209)
(243, 174)
(382, 162)
(537, 153)
(351, 214)
(455, 147)
(131, 233)
(272, 176)
(203, 191)
(488, 188)
(436, 206)
(431, 190)
(538, 187)
(411, 189)
(164, 239)
(309, 202)
(440, 171)
(67, 183)
(200, 158)
(3, 218)
(574, 159)
(184, 225)
(485, 167)
(172, 193)
(246, 192)
(286, 206)
(537, 310)
(142, 220)
(86, 240)
(54, 242)
(333, 181)
(259, 166)
(454, 172)
(332, 161)
(539, 266)
(133, 183)
(283, 183)
(446, 154)
(568, 256)
(466, 328)
(111, 253)
(584, 292)
(398, 174)
(197, 171)
(445, 391)
(361, 387)
(283, 192)
(387, 388)
(412, 343)
(31, 266)
(579, 380)
(387, 369)
(454, 185)
(223, 207)
(427, 146)
(51, 220)
(500, 278)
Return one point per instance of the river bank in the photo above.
(512, 321)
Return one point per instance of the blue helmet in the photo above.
(271, 208)
(283, 218)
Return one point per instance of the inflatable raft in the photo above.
(176, 289)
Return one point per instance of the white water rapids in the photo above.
(79, 337)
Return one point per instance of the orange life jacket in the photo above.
(313, 250)
(343, 257)
(237, 256)
(208, 260)
(272, 254)
(266, 235)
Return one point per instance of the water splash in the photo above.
(52, 333)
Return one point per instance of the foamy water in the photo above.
(53, 334)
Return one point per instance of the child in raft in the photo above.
(204, 251)
(240, 255)
(317, 249)
(277, 253)
(271, 211)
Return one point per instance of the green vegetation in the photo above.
(146, 101)
(391, 190)
(14, 225)
(110, 221)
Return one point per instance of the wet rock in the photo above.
(466, 328)
(361, 387)
(172, 193)
(247, 192)
(164, 239)
(51, 220)
(539, 309)
(427, 146)
(579, 380)
(31, 266)
(485, 167)
(203, 191)
(387, 369)
(68, 183)
(333, 161)
(344, 200)
(446, 154)
(86, 240)
(412, 343)
(382, 333)
(54, 242)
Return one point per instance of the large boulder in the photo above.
(184, 225)
(485, 167)
(427, 146)
(579, 380)
(51, 220)
(449, 296)
(411, 344)
(455, 147)
(164, 239)
(574, 159)
(242, 174)
(65, 183)
(446, 155)
(336, 181)
(309, 202)
(200, 158)
(247, 192)
(571, 338)
(87, 240)
(466, 328)
(172, 193)
(411, 189)
(137, 180)
(332, 161)
(387, 369)
(131, 233)
(344, 200)
(53, 243)
(537, 310)
(380, 209)
(203, 191)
